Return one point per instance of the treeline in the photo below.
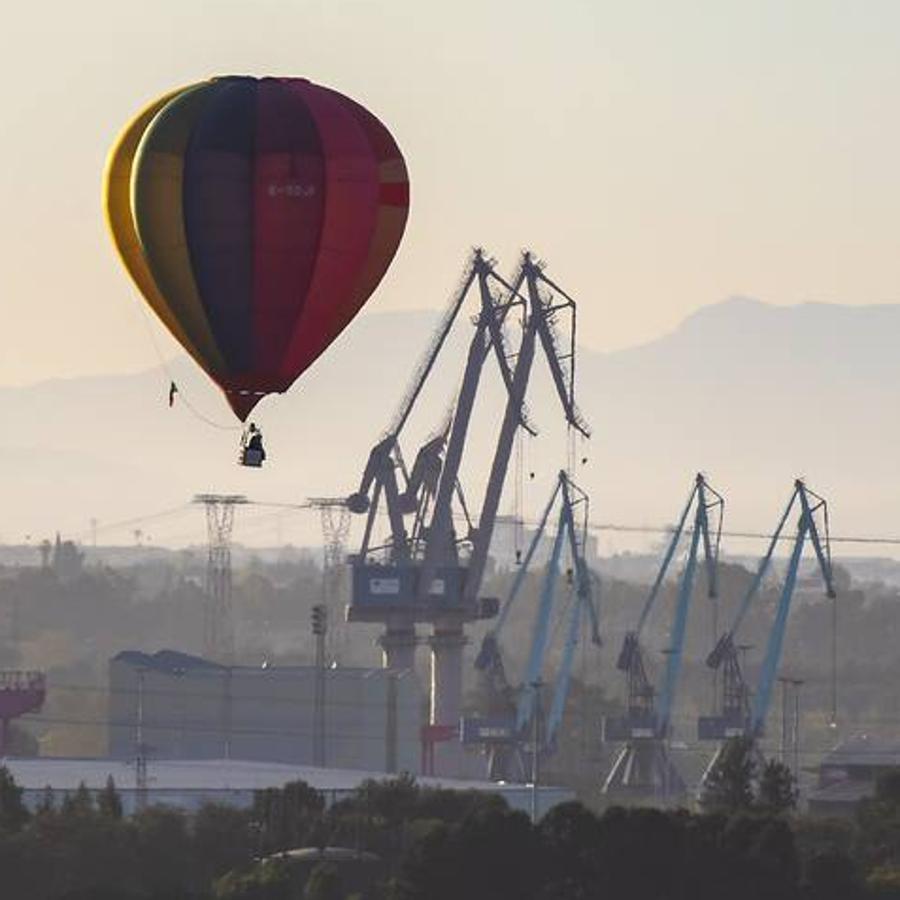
(405, 842)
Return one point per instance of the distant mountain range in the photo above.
(751, 394)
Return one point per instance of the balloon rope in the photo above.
(199, 415)
(165, 367)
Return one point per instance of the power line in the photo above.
(150, 726)
(752, 535)
(696, 748)
(679, 719)
(130, 523)
(149, 692)
(620, 527)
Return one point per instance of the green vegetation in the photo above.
(426, 844)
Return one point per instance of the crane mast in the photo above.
(742, 712)
(503, 732)
(643, 766)
(428, 572)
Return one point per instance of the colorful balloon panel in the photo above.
(256, 216)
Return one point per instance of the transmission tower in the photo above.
(335, 518)
(218, 627)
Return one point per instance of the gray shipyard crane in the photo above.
(429, 573)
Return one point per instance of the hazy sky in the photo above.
(660, 155)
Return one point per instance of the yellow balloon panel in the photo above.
(193, 332)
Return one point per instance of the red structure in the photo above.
(20, 693)
(432, 735)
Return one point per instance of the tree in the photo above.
(109, 803)
(492, 855)
(270, 880)
(286, 817)
(777, 788)
(81, 803)
(13, 813)
(763, 854)
(222, 840)
(392, 799)
(570, 834)
(68, 560)
(627, 840)
(729, 784)
(164, 853)
(887, 788)
(47, 804)
(831, 875)
(454, 806)
(878, 823)
(324, 883)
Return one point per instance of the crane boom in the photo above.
(522, 571)
(669, 555)
(643, 765)
(426, 364)
(537, 325)
(738, 714)
(645, 718)
(440, 544)
(505, 738)
(564, 676)
(806, 528)
(541, 631)
(573, 496)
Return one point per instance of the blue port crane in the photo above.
(642, 768)
(503, 733)
(742, 712)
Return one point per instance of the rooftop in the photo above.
(864, 750)
(62, 773)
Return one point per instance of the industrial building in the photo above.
(848, 774)
(188, 784)
(512, 536)
(178, 706)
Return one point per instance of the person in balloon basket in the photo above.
(253, 452)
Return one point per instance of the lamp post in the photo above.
(535, 749)
(319, 630)
(798, 683)
(140, 762)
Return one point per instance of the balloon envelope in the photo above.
(256, 216)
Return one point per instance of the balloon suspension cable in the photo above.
(174, 389)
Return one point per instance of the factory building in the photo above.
(189, 784)
(512, 537)
(848, 774)
(184, 707)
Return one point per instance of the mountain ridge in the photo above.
(752, 393)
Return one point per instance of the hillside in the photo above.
(751, 393)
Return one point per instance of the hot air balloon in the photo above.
(256, 217)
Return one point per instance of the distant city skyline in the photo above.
(660, 156)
